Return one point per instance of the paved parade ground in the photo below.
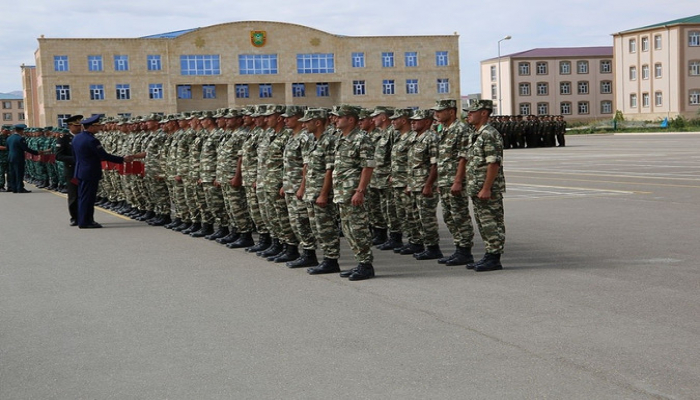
(599, 299)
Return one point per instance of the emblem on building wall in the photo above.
(258, 38)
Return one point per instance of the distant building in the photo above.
(576, 82)
(235, 64)
(657, 70)
(12, 109)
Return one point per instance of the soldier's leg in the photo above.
(355, 220)
(254, 210)
(299, 222)
(489, 217)
(322, 220)
(427, 211)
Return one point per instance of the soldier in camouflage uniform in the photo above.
(155, 179)
(176, 151)
(184, 172)
(372, 198)
(213, 125)
(380, 178)
(452, 181)
(486, 184)
(200, 197)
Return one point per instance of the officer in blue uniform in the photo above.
(64, 153)
(89, 154)
(16, 147)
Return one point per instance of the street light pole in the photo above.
(500, 109)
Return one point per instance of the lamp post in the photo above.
(500, 109)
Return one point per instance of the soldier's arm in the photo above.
(322, 199)
(302, 187)
(365, 176)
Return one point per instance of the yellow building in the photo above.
(12, 109)
(657, 70)
(235, 64)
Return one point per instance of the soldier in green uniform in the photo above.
(4, 134)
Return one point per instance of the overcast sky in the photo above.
(480, 24)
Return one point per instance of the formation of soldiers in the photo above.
(520, 131)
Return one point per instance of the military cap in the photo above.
(422, 114)
(232, 113)
(401, 112)
(346, 109)
(273, 109)
(291, 111)
(314, 113)
(480, 105)
(207, 114)
(381, 110)
(220, 112)
(444, 104)
(90, 120)
(74, 120)
(20, 127)
(365, 113)
(259, 110)
(152, 117)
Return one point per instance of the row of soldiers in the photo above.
(520, 131)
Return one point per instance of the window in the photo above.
(657, 70)
(565, 108)
(121, 63)
(633, 100)
(411, 86)
(154, 62)
(123, 91)
(582, 87)
(315, 63)
(62, 92)
(606, 67)
(61, 118)
(582, 67)
(155, 91)
(694, 67)
(493, 73)
(542, 108)
(208, 91)
(7, 116)
(97, 92)
(645, 43)
(646, 100)
(6, 105)
(387, 59)
(184, 92)
(645, 71)
(633, 73)
(542, 88)
(298, 90)
(442, 59)
(95, 63)
(583, 107)
(525, 108)
(694, 38)
(411, 59)
(204, 64)
(323, 90)
(265, 90)
(358, 60)
(60, 63)
(358, 88)
(565, 88)
(658, 99)
(388, 86)
(606, 107)
(565, 67)
(443, 85)
(541, 68)
(20, 116)
(605, 87)
(695, 97)
(633, 45)
(20, 104)
(242, 91)
(657, 42)
(524, 89)
(494, 92)
(524, 68)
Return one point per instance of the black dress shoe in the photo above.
(362, 272)
(93, 225)
(327, 266)
(73, 222)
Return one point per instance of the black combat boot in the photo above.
(327, 266)
(221, 232)
(273, 257)
(193, 228)
(207, 229)
(146, 216)
(463, 256)
(290, 254)
(395, 240)
(411, 248)
(274, 248)
(244, 240)
(379, 236)
(174, 223)
(361, 272)
(182, 227)
(264, 241)
(307, 259)
(164, 220)
(230, 238)
(430, 253)
(490, 262)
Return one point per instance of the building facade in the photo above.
(236, 64)
(13, 111)
(576, 82)
(657, 70)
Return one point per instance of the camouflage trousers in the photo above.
(52, 170)
(3, 172)
(299, 220)
(251, 197)
(408, 215)
(237, 207)
(206, 216)
(141, 193)
(324, 227)
(158, 196)
(280, 217)
(455, 213)
(214, 199)
(387, 202)
(128, 196)
(264, 208)
(489, 217)
(427, 217)
(179, 199)
(355, 221)
(374, 205)
(191, 199)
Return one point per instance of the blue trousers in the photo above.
(87, 194)
(15, 177)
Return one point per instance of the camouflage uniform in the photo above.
(234, 197)
(184, 171)
(197, 190)
(380, 178)
(274, 176)
(176, 155)
(213, 195)
(249, 170)
(405, 206)
(155, 174)
(421, 157)
(294, 153)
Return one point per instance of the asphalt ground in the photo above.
(599, 299)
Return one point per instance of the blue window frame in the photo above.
(358, 60)
(154, 63)
(95, 63)
(121, 63)
(388, 59)
(208, 91)
(123, 91)
(200, 64)
(443, 86)
(155, 91)
(184, 92)
(388, 86)
(359, 88)
(265, 90)
(62, 92)
(412, 86)
(60, 63)
(323, 90)
(298, 90)
(257, 64)
(411, 58)
(242, 91)
(442, 59)
(97, 92)
(315, 63)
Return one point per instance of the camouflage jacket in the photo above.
(319, 159)
(352, 153)
(249, 161)
(382, 157)
(155, 147)
(421, 156)
(274, 160)
(399, 159)
(195, 160)
(264, 140)
(453, 140)
(294, 161)
(485, 147)
(182, 155)
(208, 155)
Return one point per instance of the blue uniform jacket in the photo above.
(16, 146)
(89, 154)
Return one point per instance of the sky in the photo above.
(480, 24)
